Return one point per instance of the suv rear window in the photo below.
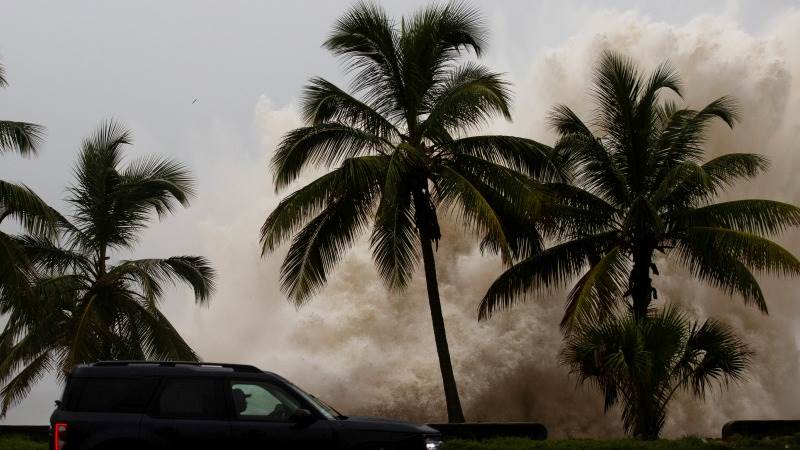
(110, 395)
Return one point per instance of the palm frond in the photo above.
(715, 354)
(22, 137)
(317, 247)
(553, 267)
(755, 252)
(525, 156)
(155, 183)
(515, 201)
(22, 204)
(158, 338)
(581, 150)
(664, 77)
(431, 39)
(761, 217)
(598, 292)
(364, 173)
(468, 98)
(19, 386)
(394, 235)
(576, 211)
(196, 271)
(323, 144)
(684, 134)
(49, 258)
(323, 102)
(473, 208)
(617, 88)
(366, 40)
(688, 183)
(723, 271)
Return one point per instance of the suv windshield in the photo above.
(323, 407)
(326, 407)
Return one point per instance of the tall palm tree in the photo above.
(399, 157)
(83, 305)
(642, 187)
(645, 363)
(18, 202)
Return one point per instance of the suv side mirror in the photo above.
(302, 416)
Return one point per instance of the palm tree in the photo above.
(399, 157)
(645, 364)
(83, 305)
(18, 202)
(639, 186)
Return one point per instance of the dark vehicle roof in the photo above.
(168, 369)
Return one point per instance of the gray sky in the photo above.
(72, 64)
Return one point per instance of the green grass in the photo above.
(20, 443)
(625, 444)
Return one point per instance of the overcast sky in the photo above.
(71, 65)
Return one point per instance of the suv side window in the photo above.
(109, 395)
(257, 400)
(191, 399)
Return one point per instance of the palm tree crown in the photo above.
(399, 156)
(641, 185)
(19, 203)
(83, 306)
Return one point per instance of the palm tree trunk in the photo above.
(648, 412)
(454, 412)
(647, 426)
(641, 283)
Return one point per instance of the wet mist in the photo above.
(368, 351)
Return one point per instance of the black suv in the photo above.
(126, 405)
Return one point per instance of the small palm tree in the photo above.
(400, 156)
(645, 363)
(640, 186)
(19, 202)
(83, 306)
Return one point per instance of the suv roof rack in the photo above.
(235, 367)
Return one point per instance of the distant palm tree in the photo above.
(83, 305)
(398, 141)
(641, 187)
(18, 202)
(645, 363)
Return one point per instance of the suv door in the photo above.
(189, 413)
(263, 419)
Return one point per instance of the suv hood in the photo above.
(357, 423)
